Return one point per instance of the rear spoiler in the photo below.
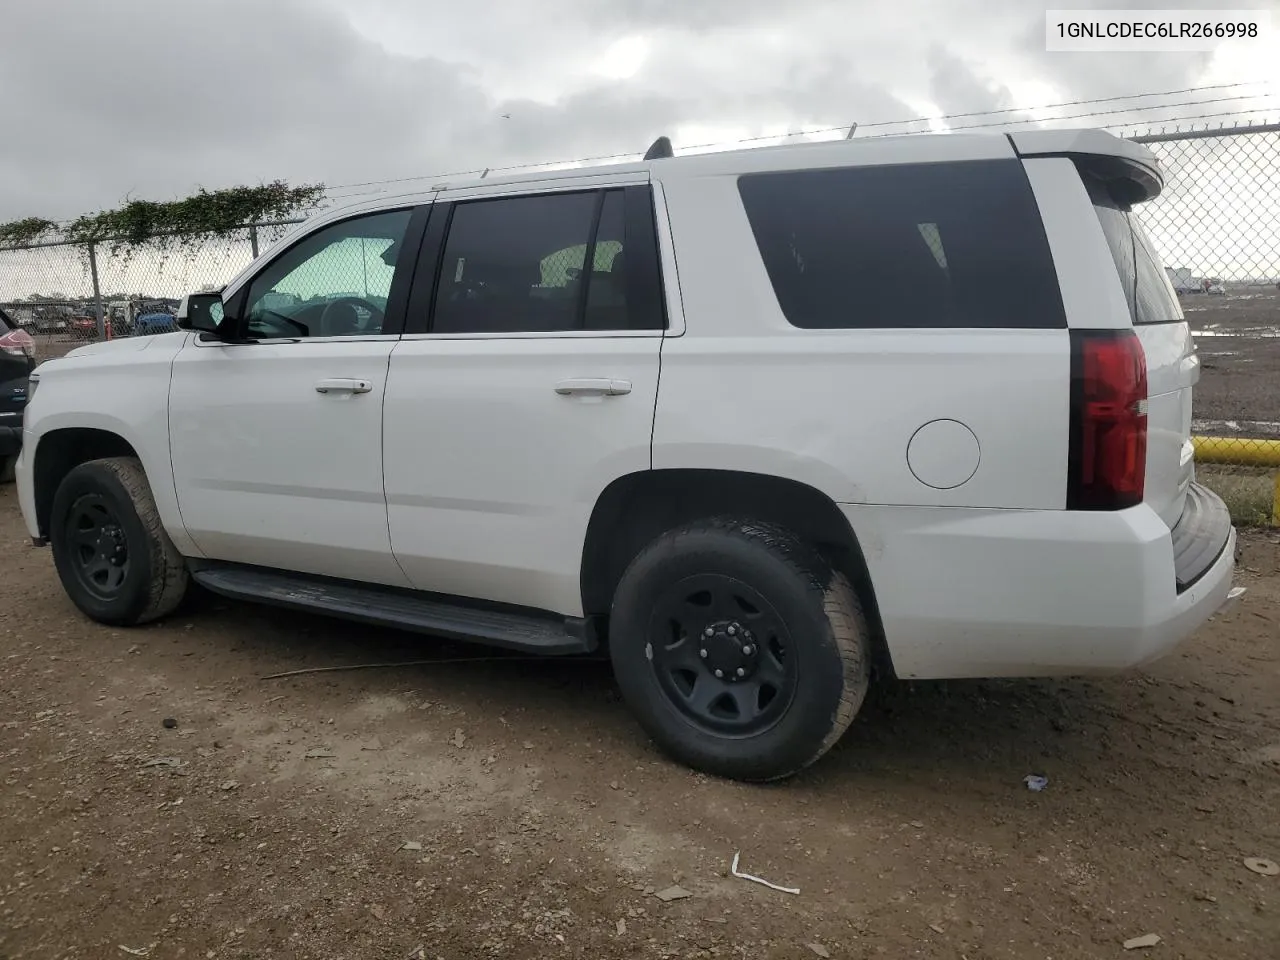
(1130, 170)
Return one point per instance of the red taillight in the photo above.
(18, 343)
(1107, 461)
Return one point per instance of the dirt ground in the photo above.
(1238, 338)
(513, 808)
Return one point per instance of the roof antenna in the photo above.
(659, 149)
(849, 135)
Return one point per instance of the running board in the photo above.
(399, 609)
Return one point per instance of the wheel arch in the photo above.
(60, 451)
(635, 509)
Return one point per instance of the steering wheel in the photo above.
(331, 315)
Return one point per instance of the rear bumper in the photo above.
(978, 593)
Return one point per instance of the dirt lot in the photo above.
(272, 819)
(1238, 337)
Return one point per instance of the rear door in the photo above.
(524, 385)
(1172, 365)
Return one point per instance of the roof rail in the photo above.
(659, 149)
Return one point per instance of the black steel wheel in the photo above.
(740, 650)
(113, 557)
(728, 666)
(96, 546)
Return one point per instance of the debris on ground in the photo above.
(819, 950)
(135, 951)
(621, 927)
(673, 893)
(1146, 940)
(1035, 782)
(319, 753)
(459, 738)
(163, 762)
(733, 868)
(1268, 868)
(411, 845)
(228, 785)
(168, 723)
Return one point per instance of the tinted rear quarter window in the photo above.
(1147, 289)
(950, 245)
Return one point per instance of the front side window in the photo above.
(334, 283)
(542, 263)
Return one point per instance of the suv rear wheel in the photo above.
(114, 559)
(740, 650)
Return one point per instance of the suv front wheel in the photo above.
(741, 651)
(114, 559)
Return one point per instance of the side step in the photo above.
(399, 609)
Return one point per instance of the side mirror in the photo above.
(202, 312)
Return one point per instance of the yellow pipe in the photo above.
(1237, 450)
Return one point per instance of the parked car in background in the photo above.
(672, 411)
(17, 360)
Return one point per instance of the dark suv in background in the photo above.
(17, 360)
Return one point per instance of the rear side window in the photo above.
(1147, 289)
(909, 245)
(549, 263)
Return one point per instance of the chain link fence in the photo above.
(66, 295)
(1217, 225)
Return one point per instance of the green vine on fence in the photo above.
(185, 223)
(23, 233)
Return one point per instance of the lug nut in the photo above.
(748, 650)
(719, 673)
(733, 628)
(702, 654)
(709, 632)
(742, 672)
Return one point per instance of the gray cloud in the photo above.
(153, 97)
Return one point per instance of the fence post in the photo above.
(97, 291)
(253, 239)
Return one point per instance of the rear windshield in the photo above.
(1147, 289)
(905, 245)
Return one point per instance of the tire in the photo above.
(115, 561)
(775, 611)
(7, 465)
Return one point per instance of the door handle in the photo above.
(343, 385)
(594, 387)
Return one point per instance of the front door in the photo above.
(525, 384)
(277, 443)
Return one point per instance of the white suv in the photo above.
(747, 420)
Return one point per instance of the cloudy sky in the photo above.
(106, 99)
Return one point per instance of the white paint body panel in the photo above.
(122, 387)
(463, 471)
(837, 409)
(1021, 593)
(1094, 299)
(491, 475)
(271, 472)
